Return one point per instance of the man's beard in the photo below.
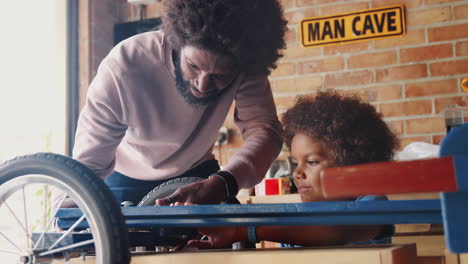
(184, 87)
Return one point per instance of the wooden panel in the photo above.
(414, 196)
(431, 175)
(451, 258)
(412, 228)
(430, 260)
(383, 254)
(389, 254)
(426, 245)
(285, 198)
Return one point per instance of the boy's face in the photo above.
(309, 157)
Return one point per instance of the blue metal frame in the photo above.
(451, 209)
(317, 213)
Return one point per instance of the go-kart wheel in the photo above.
(167, 189)
(180, 234)
(27, 233)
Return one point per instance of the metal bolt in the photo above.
(24, 259)
(126, 204)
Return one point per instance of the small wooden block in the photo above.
(426, 245)
(285, 198)
(431, 175)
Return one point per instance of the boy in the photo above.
(327, 130)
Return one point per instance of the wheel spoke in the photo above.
(10, 252)
(16, 218)
(50, 222)
(28, 241)
(68, 231)
(48, 252)
(11, 242)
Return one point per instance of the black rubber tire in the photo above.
(91, 189)
(167, 189)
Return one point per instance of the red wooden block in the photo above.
(277, 186)
(431, 175)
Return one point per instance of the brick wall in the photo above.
(96, 21)
(408, 79)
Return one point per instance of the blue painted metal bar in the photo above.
(317, 213)
(455, 217)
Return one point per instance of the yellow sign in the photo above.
(352, 27)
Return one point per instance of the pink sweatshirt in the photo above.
(135, 122)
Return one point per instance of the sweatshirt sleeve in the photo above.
(103, 121)
(255, 115)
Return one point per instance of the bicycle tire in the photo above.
(167, 189)
(100, 207)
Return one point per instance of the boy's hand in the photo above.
(209, 191)
(218, 237)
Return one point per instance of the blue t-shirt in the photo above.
(385, 237)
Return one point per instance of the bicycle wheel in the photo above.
(27, 233)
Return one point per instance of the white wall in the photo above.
(32, 77)
(32, 96)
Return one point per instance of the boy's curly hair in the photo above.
(252, 31)
(351, 130)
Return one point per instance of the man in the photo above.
(154, 109)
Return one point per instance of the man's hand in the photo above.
(219, 237)
(209, 191)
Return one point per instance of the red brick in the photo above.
(442, 103)
(425, 125)
(428, 16)
(321, 65)
(448, 32)
(460, 12)
(301, 3)
(127, 12)
(406, 3)
(296, 51)
(348, 78)
(396, 126)
(287, 3)
(437, 139)
(372, 59)
(405, 141)
(412, 37)
(461, 48)
(284, 69)
(346, 48)
(294, 17)
(298, 84)
(154, 10)
(436, 2)
(428, 88)
(284, 103)
(410, 108)
(379, 93)
(449, 67)
(426, 53)
(291, 36)
(343, 8)
(401, 73)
